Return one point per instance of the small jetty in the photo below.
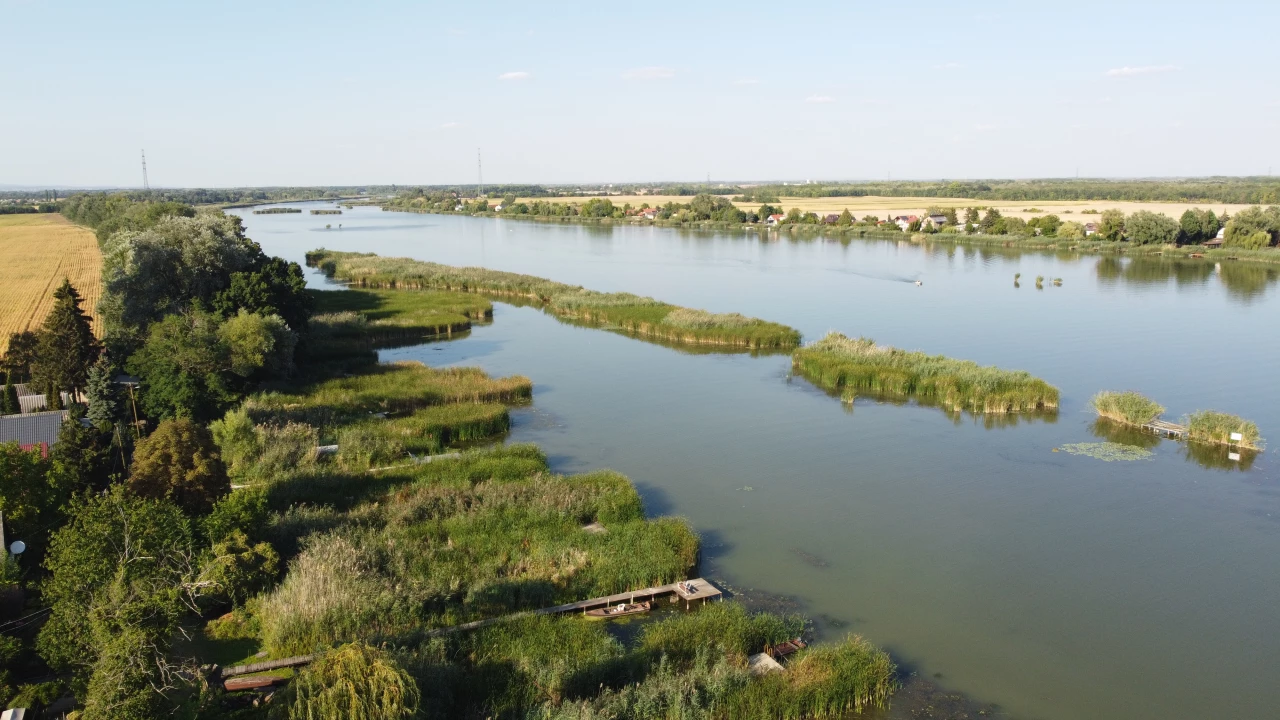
(1162, 427)
(689, 591)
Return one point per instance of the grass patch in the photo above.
(634, 314)
(853, 367)
(1127, 407)
(1210, 426)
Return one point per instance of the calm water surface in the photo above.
(1056, 585)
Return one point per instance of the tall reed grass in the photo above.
(853, 367)
(392, 388)
(640, 316)
(1128, 407)
(442, 551)
(1211, 426)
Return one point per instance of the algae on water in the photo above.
(1107, 451)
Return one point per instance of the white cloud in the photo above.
(516, 75)
(746, 81)
(451, 125)
(948, 66)
(819, 99)
(1127, 71)
(649, 73)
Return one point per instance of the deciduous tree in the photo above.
(180, 463)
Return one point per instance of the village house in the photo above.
(32, 430)
(904, 221)
(831, 219)
(775, 219)
(938, 220)
(1090, 228)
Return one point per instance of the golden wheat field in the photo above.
(38, 251)
(883, 207)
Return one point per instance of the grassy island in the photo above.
(1211, 426)
(326, 212)
(851, 367)
(278, 211)
(634, 314)
(1128, 407)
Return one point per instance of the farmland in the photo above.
(883, 207)
(40, 250)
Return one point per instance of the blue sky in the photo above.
(276, 93)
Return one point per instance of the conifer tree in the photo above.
(9, 403)
(65, 347)
(102, 394)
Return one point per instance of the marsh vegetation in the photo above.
(850, 367)
(633, 314)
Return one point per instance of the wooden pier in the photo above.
(1161, 427)
(689, 591)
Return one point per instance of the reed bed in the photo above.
(852, 367)
(278, 211)
(634, 314)
(326, 212)
(391, 388)
(437, 552)
(1211, 426)
(728, 626)
(1128, 407)
(827, 681)
(427, 431)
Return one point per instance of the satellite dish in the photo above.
(18, 547)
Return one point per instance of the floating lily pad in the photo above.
(1107, 451)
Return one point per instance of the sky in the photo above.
(317, 93)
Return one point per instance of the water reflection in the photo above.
(1211, 457)
(1124, 434)
(1219, 457)
(1243, 281)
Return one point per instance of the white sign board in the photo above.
(1236, 437)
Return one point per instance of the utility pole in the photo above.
(145, 185)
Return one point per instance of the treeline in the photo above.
(116, 516)
(235, 196)
(701, 208)
(1245, 191)
(24, 209)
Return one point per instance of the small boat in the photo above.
(619, 610)
(787, 647)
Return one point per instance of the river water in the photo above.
(1053, 585)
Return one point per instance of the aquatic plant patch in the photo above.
(1211, 426)
(1107, 451)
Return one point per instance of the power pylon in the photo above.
(145, 185)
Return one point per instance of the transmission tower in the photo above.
(145, 185)
(479, 172)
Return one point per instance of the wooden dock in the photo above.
(1161, 427)
(689, 591)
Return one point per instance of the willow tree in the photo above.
(354, 681)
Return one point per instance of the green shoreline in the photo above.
(1089, 247)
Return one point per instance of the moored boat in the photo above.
(619, 610)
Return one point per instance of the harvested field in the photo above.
(39, 250)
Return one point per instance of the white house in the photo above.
(774, 219)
